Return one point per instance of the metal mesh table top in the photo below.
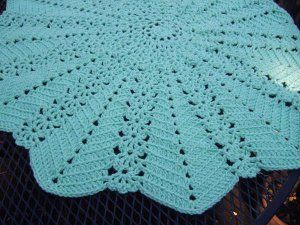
(22, 201)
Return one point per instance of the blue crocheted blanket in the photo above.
(177, 99)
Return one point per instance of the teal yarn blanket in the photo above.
(177, 99)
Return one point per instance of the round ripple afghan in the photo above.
(176, 99)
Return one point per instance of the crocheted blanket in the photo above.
(176, 99)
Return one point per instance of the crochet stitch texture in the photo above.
(175, 99)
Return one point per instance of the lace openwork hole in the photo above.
(111, 171)
(192, 197)
(219, 146)
(116, 150)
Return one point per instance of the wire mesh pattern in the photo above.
(22, 201)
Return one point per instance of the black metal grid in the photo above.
(23, 202)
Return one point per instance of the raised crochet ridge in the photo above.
(176, 99)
